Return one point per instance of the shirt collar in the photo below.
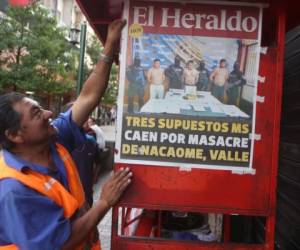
(14, 161)
(19, 164)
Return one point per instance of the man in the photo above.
(235, 82)
(174, 73)
(88, 154)
(91, 128)
(156, 77)
(42, 204)
(113, 114)
(190, 75)
(136, 83)
(103, 152)
(219, 78)
(87, 160)
(203, 78)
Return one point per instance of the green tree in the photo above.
(35, 55)
(94, 49)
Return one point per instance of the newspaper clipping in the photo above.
(188, 84)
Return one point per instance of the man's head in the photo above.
(190, 64)
(177, 60)
(201, 65)
(87, 126)
(236, 66)
(23, 122)
(223, 63)
(137, 61)
(156, 63)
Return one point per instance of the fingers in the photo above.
(114, 188)
(121, 173)
(121, 186)
(115, 175)
(123, 179)
(120, 176)
(116, 27)
(124, 184)
(123, 23)
(118, 23)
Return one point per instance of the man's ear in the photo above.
(15, 137)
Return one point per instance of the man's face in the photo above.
(91, 122)
(190, 66)
(35, 122)
(223, 64)
(236, 67)
(156, 64)
(87, 125)
(137, 62)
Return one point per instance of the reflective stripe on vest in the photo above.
(46, 185)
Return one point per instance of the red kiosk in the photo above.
(225, 192)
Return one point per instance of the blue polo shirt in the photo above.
(28, 219)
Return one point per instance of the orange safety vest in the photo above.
(48, 186)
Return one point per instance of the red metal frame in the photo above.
(164, 188)
(247, 195)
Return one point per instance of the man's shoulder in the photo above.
(11, 187)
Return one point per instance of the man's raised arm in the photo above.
(95, 86)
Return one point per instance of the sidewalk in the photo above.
(109, 132)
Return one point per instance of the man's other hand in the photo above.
(115, 186)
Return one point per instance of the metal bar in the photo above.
(227, 231)
(217, 210)
(133, 220)
(126, 243)
(128, 212)
(81, 59)
(280, 38)
(114, 227)
(159, 224)
(123, 220)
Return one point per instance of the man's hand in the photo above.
(114, 32)
(115, 186)
(111, 192)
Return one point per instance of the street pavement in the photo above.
(109, 132)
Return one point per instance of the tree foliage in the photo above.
(35, 55)
(94, 49)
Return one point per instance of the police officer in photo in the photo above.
(235, 82)
(136, 83)
(203, 79)
(174, 73)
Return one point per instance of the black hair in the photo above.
(222, 60)
(156, 60)
(10, 119)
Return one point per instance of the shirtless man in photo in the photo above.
(219, 78)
